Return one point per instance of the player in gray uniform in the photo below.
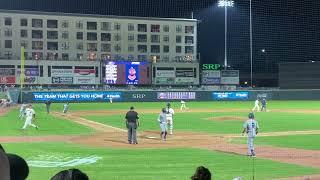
(251, 127)
(22, 111)
(65, 108)
(162, 119)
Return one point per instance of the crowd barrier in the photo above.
(153, 96)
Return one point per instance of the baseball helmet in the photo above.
(164, 110)
(251, 116)
(168, 104)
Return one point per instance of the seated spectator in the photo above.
(70, 174)
(14, 168)
(201, 173)
(4, 165)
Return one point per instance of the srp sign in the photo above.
(211, 66)
(138, 96)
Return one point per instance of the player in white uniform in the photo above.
(256, 106)
(22, 111)
(30, 115)
(183, 105)
(110, 99)
(251, 127)
(170, 113)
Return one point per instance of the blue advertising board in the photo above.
(76, 96)
(230, 95)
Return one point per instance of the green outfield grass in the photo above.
(245, 105)
(154, 164)
(48, 125)
(202, 122)
(310, 142)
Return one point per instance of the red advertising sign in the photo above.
(84, 71)
(7, 80)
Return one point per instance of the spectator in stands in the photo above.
(70, 174)
(12, 167)
(201, 173)
(4, 165)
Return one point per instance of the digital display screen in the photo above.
(127, 72)
(176, 95)
(230, 95)
(76, 96)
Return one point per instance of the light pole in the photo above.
(225, 4)
(251, 62)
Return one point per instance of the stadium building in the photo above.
(67, 42)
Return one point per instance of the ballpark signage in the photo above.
(176, 95)
(62, 72)
(76, 96)
(84, 76)
(211, 77)
(184, 80)
(165, 73)
(62, 80)
(230, 95)
(7, 76)
(211, 67)
(7, 80)
(230, 77)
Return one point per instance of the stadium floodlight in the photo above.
(225, 4)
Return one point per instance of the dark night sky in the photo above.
(287, 30)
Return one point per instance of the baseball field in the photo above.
(92, 137)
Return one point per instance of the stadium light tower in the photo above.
(226, 4)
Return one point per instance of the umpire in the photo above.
(132, 122)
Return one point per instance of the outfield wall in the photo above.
(153, 96)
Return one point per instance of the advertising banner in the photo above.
(7, 80)
(176, 95)
(76, 96)
(29, 72)
(165, 73)
(210, 80)
(184, 80)
(84, 80)
(7, 76)
(230, 77)
(31, 75)
(7, 71)
(85, 72)
(62, 72)
(230, 95)
(62, 80)
(163, 80)
(211, 74)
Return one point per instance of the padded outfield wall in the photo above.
(150, 96)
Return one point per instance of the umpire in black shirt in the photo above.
(132, 122)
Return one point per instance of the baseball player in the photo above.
(264, 104)
(170, 113)
(22, 111)
(30, 115)
(183, 105)
(256, 106)
(162, 119)
(110, 99)
(65, 108)
(251, 127)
